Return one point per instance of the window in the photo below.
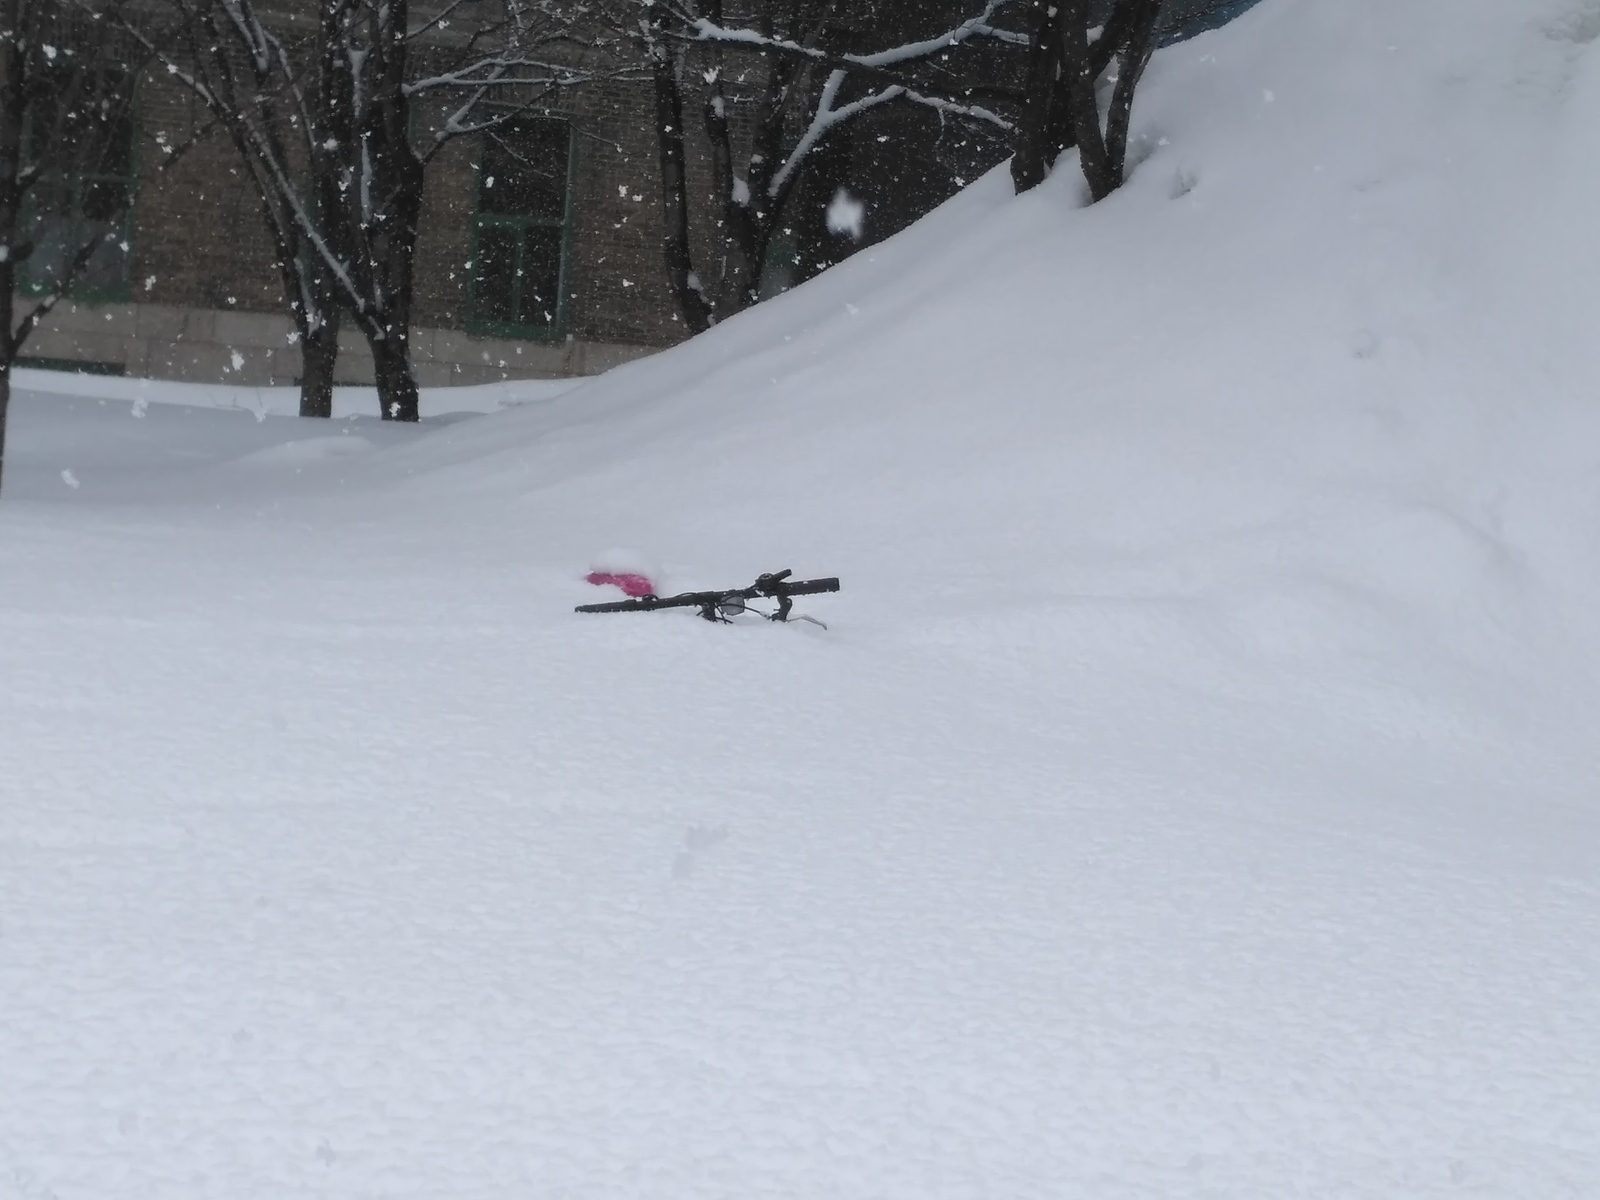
(519, 242)
(88, 200)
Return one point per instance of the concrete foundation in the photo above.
(209, 346)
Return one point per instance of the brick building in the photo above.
(542, 262)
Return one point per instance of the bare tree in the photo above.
(1068, 56)
(790, 77)
(257, 85)
(66, 94)
(1048, 74)
(324, 124)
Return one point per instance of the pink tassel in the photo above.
(631, 584)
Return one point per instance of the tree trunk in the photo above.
(5, 406)
(1060, 104)
(1080, 78)
(732, 289)
(766, 157)
(1143, 20)
(319, 351)
(389, 329)
(8, 318)
(397, 385)
(11, 115)
(675, 194)
(1030, 156)
(388, 197)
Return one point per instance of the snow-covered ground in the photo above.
(1194, 795)
(281, 401)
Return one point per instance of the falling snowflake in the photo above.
(847, 216)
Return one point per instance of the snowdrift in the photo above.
(1319, 382)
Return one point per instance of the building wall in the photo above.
(616, 290)
(158, 341)
(199, 240)
(205, 302)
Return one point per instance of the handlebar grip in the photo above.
(810, 587)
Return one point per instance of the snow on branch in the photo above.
(952, 109)
(440, 19)
(706, 30)
(251, 35)
(978, 26)
(825, 118)
(493, 72)
(709, 31)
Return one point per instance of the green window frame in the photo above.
(522, 229)
(100, 200)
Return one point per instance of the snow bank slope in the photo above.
(1321, 374)
(1193, 796)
